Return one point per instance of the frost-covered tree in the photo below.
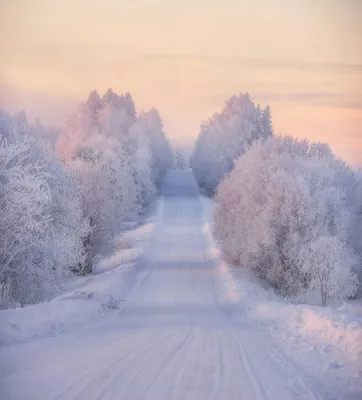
(113, 116)
(48, 134)
(122, 102)
(24, 197)
(109, 194)
(116, 115)
(78, 128)
(118, 159)
(139, 150)
(274, 211)
(266, 123)
(42, 226)
(225, 136)
(94, 105)
(328, 265)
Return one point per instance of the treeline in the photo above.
(65, 196)
(288, 209)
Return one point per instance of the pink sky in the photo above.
(303, 58)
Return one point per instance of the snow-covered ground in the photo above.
(166, 318)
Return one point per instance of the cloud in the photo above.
(127, 53)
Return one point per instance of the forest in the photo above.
(66, 194)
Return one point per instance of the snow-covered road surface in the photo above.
(174, 337)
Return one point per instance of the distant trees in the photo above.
(55, 217)
(180, 159)
(289, 210)
(225, 136)
(161, 153)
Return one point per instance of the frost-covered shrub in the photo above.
(282, 207)
(225, 136)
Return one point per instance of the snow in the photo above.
(187, 326)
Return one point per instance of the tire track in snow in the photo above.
(175, 356)
(153, 363)
(82, 383)
(104, 388)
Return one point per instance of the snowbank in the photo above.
(333, 336)
(94, 296)
(45, 318)
(323, 339)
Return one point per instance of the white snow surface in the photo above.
(167, 318)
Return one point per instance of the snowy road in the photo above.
(173, 338)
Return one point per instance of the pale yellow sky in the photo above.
(186, 57)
